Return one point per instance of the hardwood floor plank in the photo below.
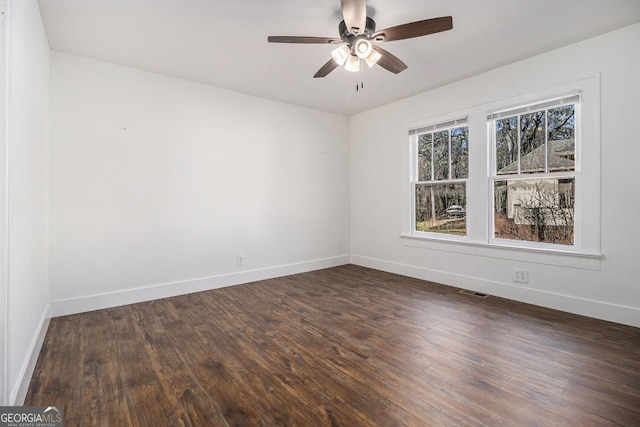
(344, 346)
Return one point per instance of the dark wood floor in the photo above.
(346, 346)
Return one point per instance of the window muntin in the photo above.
(534, 172)
(439, 179)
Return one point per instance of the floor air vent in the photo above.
(474, 293)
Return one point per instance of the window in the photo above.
(516, 178)
(533, 179)
(440, 156)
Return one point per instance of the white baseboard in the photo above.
(596, 309)
(63, 307)
(19, 391)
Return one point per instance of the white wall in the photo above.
(610, 290)
(157, 184)
(28, 175)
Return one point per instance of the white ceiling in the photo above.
(224, 42)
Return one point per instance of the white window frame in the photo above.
(585, 253)
(556, 101)
(414, 134)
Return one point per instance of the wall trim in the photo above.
(63, 307)
(28, 366)
(582, 306)
(5, 47)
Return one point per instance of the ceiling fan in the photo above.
(358, 34)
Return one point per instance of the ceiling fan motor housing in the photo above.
(347, 36)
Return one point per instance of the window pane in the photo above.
(562, 122)
(440, 208)
(532, 150)
(460, 153)
(424, 156)
(507, 146)
(441, 155)
(537, 210)
(561, 150)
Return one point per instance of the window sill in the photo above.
(563, 258)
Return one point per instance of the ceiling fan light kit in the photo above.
(353, 64)
(373, 58)
(341, 54)
(358, 31)
(363, 48)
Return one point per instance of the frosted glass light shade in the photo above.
(373, 57)
(341, 54)
(363, 48)
(353, 64)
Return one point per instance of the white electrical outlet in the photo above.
(520, 275)
(240, 260)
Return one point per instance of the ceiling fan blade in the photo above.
(355, 15)
(390, 62)
(326, 68)
(303, 39)
(415, 29)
